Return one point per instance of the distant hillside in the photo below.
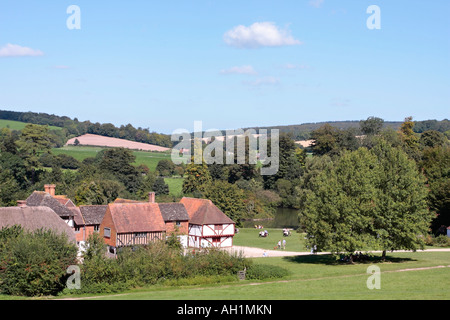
(74, 128)
(100, 141)
(303, 131)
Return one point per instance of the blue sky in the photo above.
(231, 64)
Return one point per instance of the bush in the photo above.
(265, 271)
(442, 241)
(34, 264)
(159, 262)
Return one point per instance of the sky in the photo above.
(231, 64)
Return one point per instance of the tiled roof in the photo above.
(203, 211)
(173, 211)
(35, 218)
(77, 217)
(136, 217)
(41, 198)
(93, 214)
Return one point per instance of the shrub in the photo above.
(442, 241)
(34, 263)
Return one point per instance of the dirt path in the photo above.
(250, 252)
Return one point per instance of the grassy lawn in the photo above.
(150, 159)
(320, 277)
(249, 237)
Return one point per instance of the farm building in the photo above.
(128, 224)
(197, 223)
(208, 225)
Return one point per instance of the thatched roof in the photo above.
(44, 199)
(35, 218)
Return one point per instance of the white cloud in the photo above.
(14, 50)
(263, 81)
(240, 70)
(259, 34)
(316, 3)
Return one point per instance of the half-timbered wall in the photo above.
(138, 238)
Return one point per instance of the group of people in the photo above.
(281, 243)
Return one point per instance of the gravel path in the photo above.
(250, 252)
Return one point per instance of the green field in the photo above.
(150, 159)
(17, 125)
(249, 237)
(175, 185)
(405, 276)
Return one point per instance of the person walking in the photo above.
(284, 244)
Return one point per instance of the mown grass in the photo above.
(249, 237)
(318, 277)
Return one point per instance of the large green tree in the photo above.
(34, 141)
(228, 198)
(367, 199)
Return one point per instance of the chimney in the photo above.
(50, 188)
(151, 197)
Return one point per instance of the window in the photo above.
(218, 227)
(216, 240)
(77, 229)
(107, 232)
(178, 223)
(96, 227)
(140, 234)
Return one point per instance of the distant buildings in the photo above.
(197, 223)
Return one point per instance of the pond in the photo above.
(284, 218)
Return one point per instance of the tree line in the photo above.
(73, 128)
(347, 175)
(419, 161)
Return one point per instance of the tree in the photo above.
(367, 199)
(33, 142)
(371, 126)
(325, 139)
(409, 138)
(165, 167)
(118, 162)
(197, 177)
(160, 187)
(228, 198)
(432, 138)
(436, 167)
(337, 210)
(402, 216)
(290, 165)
